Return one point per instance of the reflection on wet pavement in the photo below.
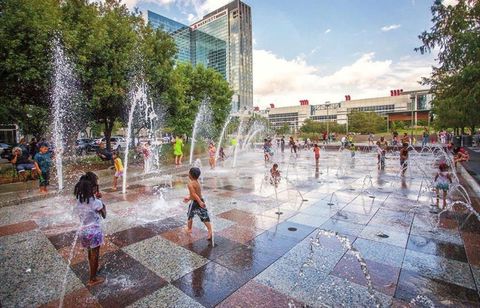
(261, 239)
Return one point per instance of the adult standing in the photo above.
(178, 150)
(425, 136)
(282, 144)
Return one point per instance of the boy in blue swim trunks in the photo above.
(197, 205)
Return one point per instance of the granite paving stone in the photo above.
(342, 227)
(164, 258)
(395, 237)
(308, 220)
(436, 247)
(431, 266)
(167, 296)
(380, 252)
(29, 262)
(126, 280)
(239, 234)
(210, 284)
(440, 292)
(18, 227)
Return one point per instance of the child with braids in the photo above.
(89, 209)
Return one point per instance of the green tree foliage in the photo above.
(311, 126)
(456, 80)
(26, 29)
(192, 85)
(366, 122)
(283, 130)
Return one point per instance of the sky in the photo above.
(322, 50)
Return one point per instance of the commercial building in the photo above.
(222, 40)
(401, 105)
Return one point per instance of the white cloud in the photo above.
(450, 2)
(190, 18)
(390, 27)
(328, 31)
(284, 82)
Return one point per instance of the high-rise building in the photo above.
(222, 40)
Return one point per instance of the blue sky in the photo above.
(323, 49)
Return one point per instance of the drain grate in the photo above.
(293, 229)
(383, 235)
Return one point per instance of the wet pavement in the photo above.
(259, 258)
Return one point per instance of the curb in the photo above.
(469, 179)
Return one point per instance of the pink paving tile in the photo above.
(77, 298)
(240, 234)
(180, 236)
(384, 277)
(254, 294)
(23, 226)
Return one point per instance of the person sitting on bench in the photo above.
(21, 163)
(103, 153)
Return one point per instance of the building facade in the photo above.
(222, 40)
(410, 106)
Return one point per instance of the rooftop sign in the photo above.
(203, 22)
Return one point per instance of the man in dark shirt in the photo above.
(103, 153)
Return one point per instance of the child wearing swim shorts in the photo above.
(90, 209)
(197, 205)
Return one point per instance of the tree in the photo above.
(283, 130)
(26, 29)
(366, 122)
(456, 81)
(192, 85)
(314, 127)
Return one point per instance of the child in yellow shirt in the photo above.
(117, 162)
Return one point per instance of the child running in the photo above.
(275, 175)
(221, 154)
(117, 162)
(42, 161)
(316, 150)
(352, 149)
(89, 209)
(266, 150)
(211, 153)
(442, 181)
(197, 205)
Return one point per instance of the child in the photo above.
(266, 150)
(316, 150)
(404, 158)
(197, 205)
(442, 179)
(117, 162)
(43, 160)
(89, 209)
(221, 154)
(178, 150)
(352, 150)
(211, 153)
(274, 175)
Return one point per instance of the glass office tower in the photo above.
(221, 40)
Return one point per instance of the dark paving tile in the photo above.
(274, 244)
(63, 239)
(440, 292)
(77, 298)
(254, 294)
(383, 277)
(291, 229)
(240, 234)
(210, 284)
(23, 226)
(126, 280)
(248, 219)
(80, 254)
(472, 247)
(131, 236)
(470, 224)
(352, 217)
(246, 260)
(212, 249)
(437, 247)
(165, 225)
(237, 215)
